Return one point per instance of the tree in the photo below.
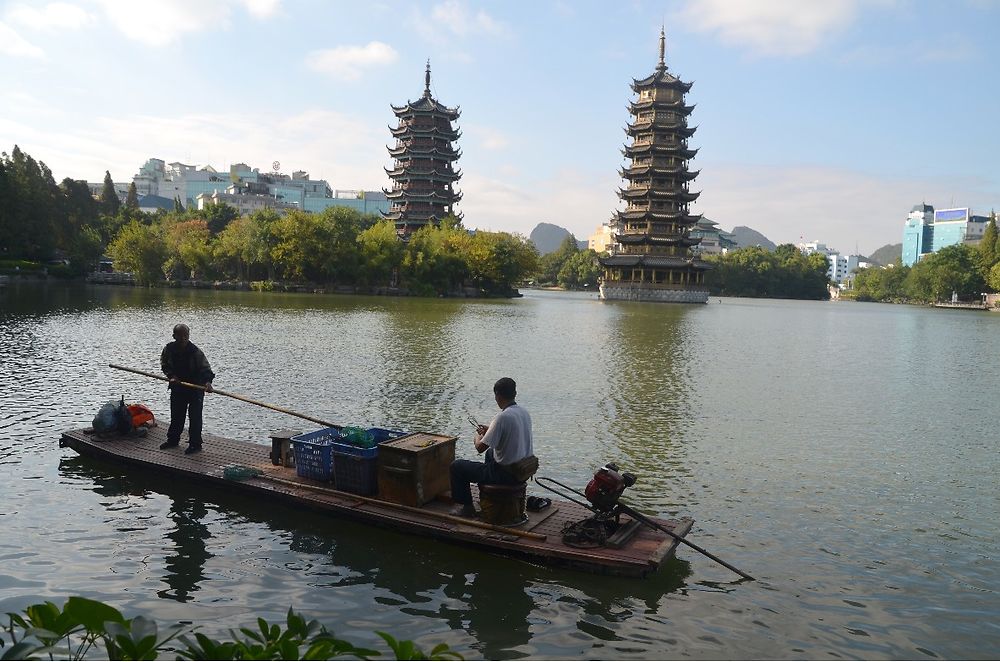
(110, 202)
(140, 249)
(132, 199)
(187, 247)
(79, 210)
(218, 216)
(580, 271)
(550, 263)
(381, 253)
(952, 269)
(988, 246)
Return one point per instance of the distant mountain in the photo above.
(547, 238)
(887, 255)
(746, 237)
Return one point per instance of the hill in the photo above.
(547, 237)
(887, 255)
(746, 237)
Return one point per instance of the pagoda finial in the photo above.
(663, 49)
(427, 79)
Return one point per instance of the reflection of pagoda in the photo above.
(423, 178)
(651, 259)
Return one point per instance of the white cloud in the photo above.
(770, 27)
(163, 22)
(262, 8)
(489, 138)
(573, 199)
(350, 62)
(13, 44)
(457, 18)
(55, 15)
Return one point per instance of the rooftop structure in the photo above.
(423, 172)
(652, 257)
(927, 230)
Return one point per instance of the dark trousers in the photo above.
(185, 402)
(464, 472)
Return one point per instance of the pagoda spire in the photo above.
(663, 50)
(427, 79)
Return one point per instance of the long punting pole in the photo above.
(230, 395)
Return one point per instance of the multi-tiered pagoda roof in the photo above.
(423, 171)
(652, 256)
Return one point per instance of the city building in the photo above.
(423, 173)
(253, 189)
(927, 230)
(714, 241)
(603, 237)
(651, 258)
(839, 266)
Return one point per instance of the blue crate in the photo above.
(357, 475)
(380, 435)
(314, 453)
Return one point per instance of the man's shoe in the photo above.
(168, 444)
(191, 450)
(463, 510)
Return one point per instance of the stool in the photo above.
(281, 452)
(503, 504)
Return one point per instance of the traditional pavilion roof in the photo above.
(661, 77)
(409, 194)
(425, 132)
(647, 170)
(645, 214)
(643, 238)
(659, 126)
(648, 192)
(417, 152)
(405, 173)
(426, 104)
(634, 107)
(655, 261)
(631, 151)
(417, 218)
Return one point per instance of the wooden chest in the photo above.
(414, 469)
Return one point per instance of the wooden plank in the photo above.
(645, 552)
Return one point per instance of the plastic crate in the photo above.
(314, 453)
(380, 435)
(357, 475)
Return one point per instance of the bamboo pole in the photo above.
(229, 395)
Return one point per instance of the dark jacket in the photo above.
(188, 365)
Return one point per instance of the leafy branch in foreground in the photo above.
(45, 631)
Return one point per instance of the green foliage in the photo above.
(218, 216)
(880, 283)
(139, 249)
(754, 271)
(550, 264)
(581, 270)
(951, 269)
(45, 630)
(187, 247)
(110, 202)
(988, 246)
(381, 253)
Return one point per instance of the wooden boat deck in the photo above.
(643, 553)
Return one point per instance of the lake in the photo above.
(845, 454)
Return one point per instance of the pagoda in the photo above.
(423, 173)
(651, 258)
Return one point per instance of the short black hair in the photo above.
(505, 388)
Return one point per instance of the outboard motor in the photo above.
(606, 487)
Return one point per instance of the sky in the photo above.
(817, 120)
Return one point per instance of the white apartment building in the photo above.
(839, 266)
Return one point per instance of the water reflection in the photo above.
(186, 565)
(649, 388)
(501, 603)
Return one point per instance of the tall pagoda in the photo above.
(423, 173)
(651, 258)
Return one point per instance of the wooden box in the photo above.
(414, 469)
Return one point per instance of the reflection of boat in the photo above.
(539, 539)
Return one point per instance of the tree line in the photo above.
(967, 271)
(40, 219)
(785, 273)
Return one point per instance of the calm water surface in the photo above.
(845, 454)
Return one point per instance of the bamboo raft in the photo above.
(538, 540)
